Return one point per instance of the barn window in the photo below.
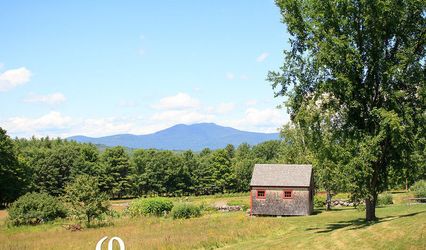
(288, 194)
(261, 194)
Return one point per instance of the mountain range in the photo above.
(183, 137)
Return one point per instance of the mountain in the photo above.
(183, 137)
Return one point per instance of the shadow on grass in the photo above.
(317, 211)
(335, 209)
(399, 192)
(358, 223)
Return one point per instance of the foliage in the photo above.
(85, 200)
(419, 189)
(52, 163)
(49, 165)
(13, 175)
(185, 211)
(385, 199)
(115, 167)
(35, 208)
(361, 64)
(319, 201)
(157, 206)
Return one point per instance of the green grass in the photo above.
(400, 226)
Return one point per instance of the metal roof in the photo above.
(281, 175)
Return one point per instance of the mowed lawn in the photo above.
(400, 226)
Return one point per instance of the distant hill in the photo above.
(183, 137)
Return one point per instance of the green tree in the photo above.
(203, 180)
(116, 170)
(223, 175)
(368, 57)
(12, 174)
(85, 200)
(88, 160)
(328, 152)
(243, 171)
(230, 149)
(242, 165)
(267, 151)
(294, 149)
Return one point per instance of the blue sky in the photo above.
(105, 67)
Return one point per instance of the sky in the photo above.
(99, 68)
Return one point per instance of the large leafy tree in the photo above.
(116, 169)
(223, 176)
(12, 173)
(368, 59)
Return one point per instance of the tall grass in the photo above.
(399, 227)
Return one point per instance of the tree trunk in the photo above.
(328, 201)
(370, 209)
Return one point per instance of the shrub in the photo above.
(385, 199)
(85, 200)
(150, 206)
(419, 189)
(207, 208)
(35, 208)
(319, 201)
(185, 211)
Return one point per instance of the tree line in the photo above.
(48, 165)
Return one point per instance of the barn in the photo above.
(281, 189)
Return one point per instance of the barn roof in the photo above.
(278, 175)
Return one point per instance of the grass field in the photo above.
(400, 226)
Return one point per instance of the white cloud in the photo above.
(261, 120)
(51, 99)
(230, 76)
(14, 77)
(48, 124)
(264, 116)
(262, 57)
(179, 101)
(55, 124)
(102, 126)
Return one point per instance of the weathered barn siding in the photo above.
(275, 204)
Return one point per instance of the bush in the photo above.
(150, 206)
(419, 189)
(35, 208)
(185, 211)
(385, 199)
(84, 199)
(319, 201)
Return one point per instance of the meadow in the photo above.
(400, 226)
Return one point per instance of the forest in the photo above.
(47, 165)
